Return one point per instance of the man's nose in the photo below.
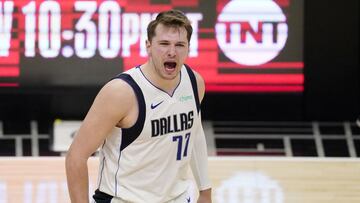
(172, 51)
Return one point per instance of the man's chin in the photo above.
(169, 76)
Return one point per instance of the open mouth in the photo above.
(170, 65)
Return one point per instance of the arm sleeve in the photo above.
(199, 160)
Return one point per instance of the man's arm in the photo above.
(199, 159)
(102, 117)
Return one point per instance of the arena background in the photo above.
(331, 79)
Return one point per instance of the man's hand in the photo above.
(205, 196)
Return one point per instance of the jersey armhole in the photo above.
(194, 87)
(129, 135)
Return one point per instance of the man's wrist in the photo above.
(205, 195)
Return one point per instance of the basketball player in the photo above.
(147, 124)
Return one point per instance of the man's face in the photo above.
(168, 50)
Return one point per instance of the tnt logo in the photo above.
(251, 32)
(249, 187)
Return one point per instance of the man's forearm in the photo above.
(199, 161)
(77, 179)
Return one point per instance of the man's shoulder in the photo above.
(197, 75)
(117, 88)
(199, 81)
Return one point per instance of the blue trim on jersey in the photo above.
(117, 170)
(159, 87)
(194, 86)
(101, 173)
(129, 135)
(102, 167)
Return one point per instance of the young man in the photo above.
(147, 124)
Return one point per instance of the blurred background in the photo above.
(282, 77)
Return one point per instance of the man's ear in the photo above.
(148, 45)
(188, 49)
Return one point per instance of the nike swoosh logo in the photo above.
(188, 199)
(153, 106)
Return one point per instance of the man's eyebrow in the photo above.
(167, 41)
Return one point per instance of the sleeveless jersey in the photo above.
(149, 162)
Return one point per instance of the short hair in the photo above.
(171, 18)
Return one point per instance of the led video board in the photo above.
(238, 45)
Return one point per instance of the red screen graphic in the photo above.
(237, 46)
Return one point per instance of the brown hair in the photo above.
(171, 18)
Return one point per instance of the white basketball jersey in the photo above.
(149, 162)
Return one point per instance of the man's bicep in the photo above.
(109, 107)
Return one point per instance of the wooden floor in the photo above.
(235, 180)
(297, 180)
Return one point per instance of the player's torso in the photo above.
(157, 160)
(167, 116)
